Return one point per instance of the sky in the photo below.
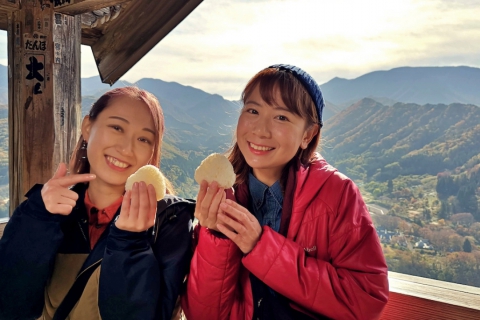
(223, 43)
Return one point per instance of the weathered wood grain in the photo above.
(44, 94)
(139, 28)
(82, 6)
(9, 5)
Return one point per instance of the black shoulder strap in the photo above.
(75, 292)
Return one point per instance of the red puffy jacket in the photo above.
(330, 264)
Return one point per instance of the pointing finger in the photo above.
(67, 181)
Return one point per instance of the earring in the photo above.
(83, 151)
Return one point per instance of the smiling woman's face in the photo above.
(269, 136)
(120, 140)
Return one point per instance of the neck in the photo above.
(102, 195)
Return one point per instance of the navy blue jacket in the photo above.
(141, 273)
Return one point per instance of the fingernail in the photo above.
(92, 176)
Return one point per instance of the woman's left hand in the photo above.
(139, 208)
(246, 226)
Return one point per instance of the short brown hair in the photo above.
(297, 100)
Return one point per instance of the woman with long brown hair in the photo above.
(94, 251)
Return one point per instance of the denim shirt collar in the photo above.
(258, 191)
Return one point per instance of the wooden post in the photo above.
(44, 93)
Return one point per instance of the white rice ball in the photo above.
(150, 175)
(216, 167)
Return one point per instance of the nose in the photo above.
(125, 146)
(261, 127)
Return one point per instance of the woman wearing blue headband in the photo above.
(298, 243)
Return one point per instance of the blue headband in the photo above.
(310, 85)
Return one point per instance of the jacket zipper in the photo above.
(83, 233)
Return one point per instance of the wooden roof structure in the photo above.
(117, 44)
(44, 98)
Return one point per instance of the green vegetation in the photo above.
(421, 164)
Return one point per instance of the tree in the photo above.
(468, 201)
(462, 219)
(444, 212)
(445, 186)
(467, 246)
(390, 186)
(426, 214)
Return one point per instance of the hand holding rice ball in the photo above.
(150, 175)
(216, 167)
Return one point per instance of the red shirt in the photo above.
(98, 219)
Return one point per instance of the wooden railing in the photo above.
(416, 298)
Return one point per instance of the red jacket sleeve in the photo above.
(353, 284)
(213, 278)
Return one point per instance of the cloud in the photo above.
(223, 43)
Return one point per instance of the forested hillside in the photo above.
(372, 141)
(418, 168)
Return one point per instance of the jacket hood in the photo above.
(309, 181)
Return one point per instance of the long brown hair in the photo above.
(297, 100)
(77, 165)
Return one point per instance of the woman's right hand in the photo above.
(208, 204)
(57, 196)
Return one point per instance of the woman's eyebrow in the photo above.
(126, 121)
(282, 109)
(149, 130)
(253, 102)
(119, 118)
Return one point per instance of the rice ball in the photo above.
(150, 175)
(216, 167)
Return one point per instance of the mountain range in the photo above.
(420, 85)
(379, 125)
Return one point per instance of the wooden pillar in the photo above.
(44, 93)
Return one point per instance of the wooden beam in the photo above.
(44, 94)
(6, 7)
(74, 7)
(3, 20)
(9, 5)
(139, 28)
(90, 36)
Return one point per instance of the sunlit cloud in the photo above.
(223, 43)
